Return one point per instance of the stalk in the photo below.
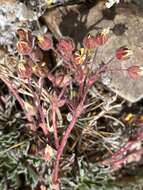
(11, 88)
(77, 113)
(55, 128)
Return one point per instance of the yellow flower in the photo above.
(80, 56)
(49, 2)
(40, 38)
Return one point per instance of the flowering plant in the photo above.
(48, 86)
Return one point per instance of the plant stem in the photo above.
(11, 88)
(16, 95)
(55, 128)
(118, 158)
(42, 115)
(36, 97)
(77, 113)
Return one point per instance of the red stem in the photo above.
(77, 113)
(42, 116)
(117, 157)
(125, 160)
(127, 146)
(123, 149)
(18, 98)
(117, 69)
(36, 97)
(55, 128)
(11, 88)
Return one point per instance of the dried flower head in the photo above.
(24, 70)
(24, 47)
(66, 47)
(36, 55)
(102, 37)
(45, 42)
(135, 71)
(123, 53)
(24, 35)
(21, 34)
(40, 70)
(89, 42)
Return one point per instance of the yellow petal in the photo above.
(49, 2)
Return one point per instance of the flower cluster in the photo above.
(27, 45)
(134, 71)
(33, 49)
(90, 42)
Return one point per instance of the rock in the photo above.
(126, 23)
(8, 1)
(14, 15)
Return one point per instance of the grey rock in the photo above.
(126, 23)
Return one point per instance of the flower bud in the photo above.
(135, 71)
(45, 42)
(24, 70)
(24, 35)
(21, 34)
(102, 37)
(40, 70)
(24, 47)
(66, 46)
(36, 55)
(89, 42)
(123, 53)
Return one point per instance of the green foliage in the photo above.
(92, 176)
(18, 168)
